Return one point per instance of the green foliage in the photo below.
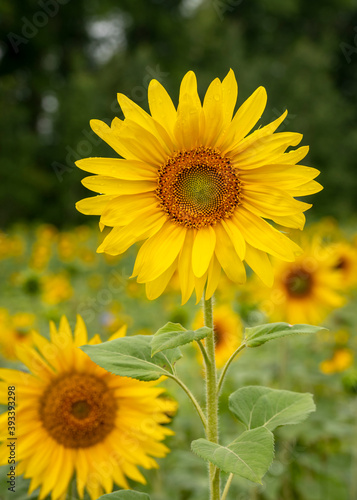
(257, 406)
(175, 335)
(125, 495)
(258, 335)
(131, 357)
(249, 456)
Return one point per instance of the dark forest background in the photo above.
(63, 61)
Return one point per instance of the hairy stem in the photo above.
(226, 366)
(212, 398)
(203, 352)
(227, 486)
(192, 398)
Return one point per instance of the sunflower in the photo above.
(341, 360)
(304, 291)
(15, 329)
(197, 187)
(345, 255)
(55, 288)
(227, 332)
(75, 418)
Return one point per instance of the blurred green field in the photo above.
(47, 273)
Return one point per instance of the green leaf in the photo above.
(258, 335)
(257, 406)
(131, 357)
(174, 335)
(125, 495)
(249, 456)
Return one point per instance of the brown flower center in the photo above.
(219, 334)
(198, 188)
(298, 283)
(341, 264)
(78, 410)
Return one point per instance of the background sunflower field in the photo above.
(61, 64)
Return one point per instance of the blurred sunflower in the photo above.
(304, 291)
(11, 245)
(341, 360)
(197, 187)
(15, 329)
(345, 262)
(74, 417)
(56, 288)
(227, 331)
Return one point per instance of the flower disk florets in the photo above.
(78, 410)
(198, 188)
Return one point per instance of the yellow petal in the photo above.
(189, 87)
(136, 114)
(111, 135)
(229, 93)
(266, 150)
(259, 262)
(121, 238)
(187, 126)
(199, 286)
(260, 133)
(66, 474)
(293, 157)
(110, 185)
(214, 274)
(202, 251)
(149, 147)
(213, 113)
(263, 236)
(281, 176)
(156, 287)
(185, 271)
(243, 121)
(161, 106)
(54, 471)
(95, 204)
(126, 208)
(82, 470)
(80, 332)
(227, 256)
(159, 252)
(236, 237)
(296, 221)
(266, 201)
(311, 187)
(132, 170)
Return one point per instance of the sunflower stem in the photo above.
(192, 398)
(227, 486)
(226, 366)
(203, 352)
(211, 397)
